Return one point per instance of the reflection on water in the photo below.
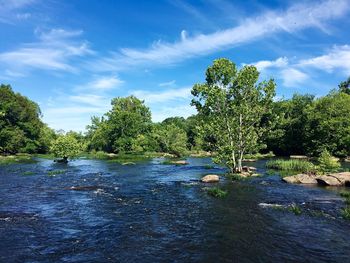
(98, 211)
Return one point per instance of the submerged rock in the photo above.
(83, 188)
(249, 160)
(334, 179)
(248, 168)
(210, 178)
(302, 157)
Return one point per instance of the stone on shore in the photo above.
(210, 178)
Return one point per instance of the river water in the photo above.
(151, 212)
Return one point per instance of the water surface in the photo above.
(150, 212)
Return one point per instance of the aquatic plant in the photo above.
(217, 192)
(291, 165)
(55, 172)
(295, 209)
(28, 173)
(345, 212)
(208, 166)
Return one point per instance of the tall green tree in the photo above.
(328, 125)
(118, 129)
(20, 123)
(233, 104)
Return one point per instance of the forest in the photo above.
(301, 125)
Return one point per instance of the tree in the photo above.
(118, 129)
(172, 139)
(288, 135)
(232, 105)
(328, 126)
(20, 123)
(344, 86)
(65, 146)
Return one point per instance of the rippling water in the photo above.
(99, 211)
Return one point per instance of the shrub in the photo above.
(328, 163)
(291, 165)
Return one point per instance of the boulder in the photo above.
(300, 179)
(328, 180)
(306, 179)
(248, 168)
(249, 160)
(290, 179)
(343, 177)
(181, 162)
(210, 178)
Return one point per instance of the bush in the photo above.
(66, 146)
(295, 209)
(328, 163)
(291, 165)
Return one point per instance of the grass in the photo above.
(295, 209)
(346, 213)
(18, 158)
(208, 166)
(55, 172)
(28, 173)
(291, 165)
(217, 192)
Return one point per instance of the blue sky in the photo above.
(73, 57)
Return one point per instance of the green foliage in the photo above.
(66, 146)
(55, 172)
(344, 86)
(20, 123)
(289, 118)
(217, 192)
(119, 130)
(171, 139)
(295, 209)
(291, 165)
(345, 212)
(328, 163)
(231, 105)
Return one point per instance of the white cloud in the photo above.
(265, 64)
(337, 59)
(106, 83)
(168, 83)
(54, 51)
(293, 77)
(163, 96)
(297, 17)
(9, 9)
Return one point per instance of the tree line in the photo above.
(237, 115)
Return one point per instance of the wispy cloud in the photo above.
(163, 96)
(337, 59)
(11, 10)
(294, 19)
(295, 72)
(54, 51)
(166, 84)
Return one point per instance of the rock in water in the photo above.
(181, 162)
(210, 178)
(328, 180)
(343, 177)
(300, 179)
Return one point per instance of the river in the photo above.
(101, 211)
